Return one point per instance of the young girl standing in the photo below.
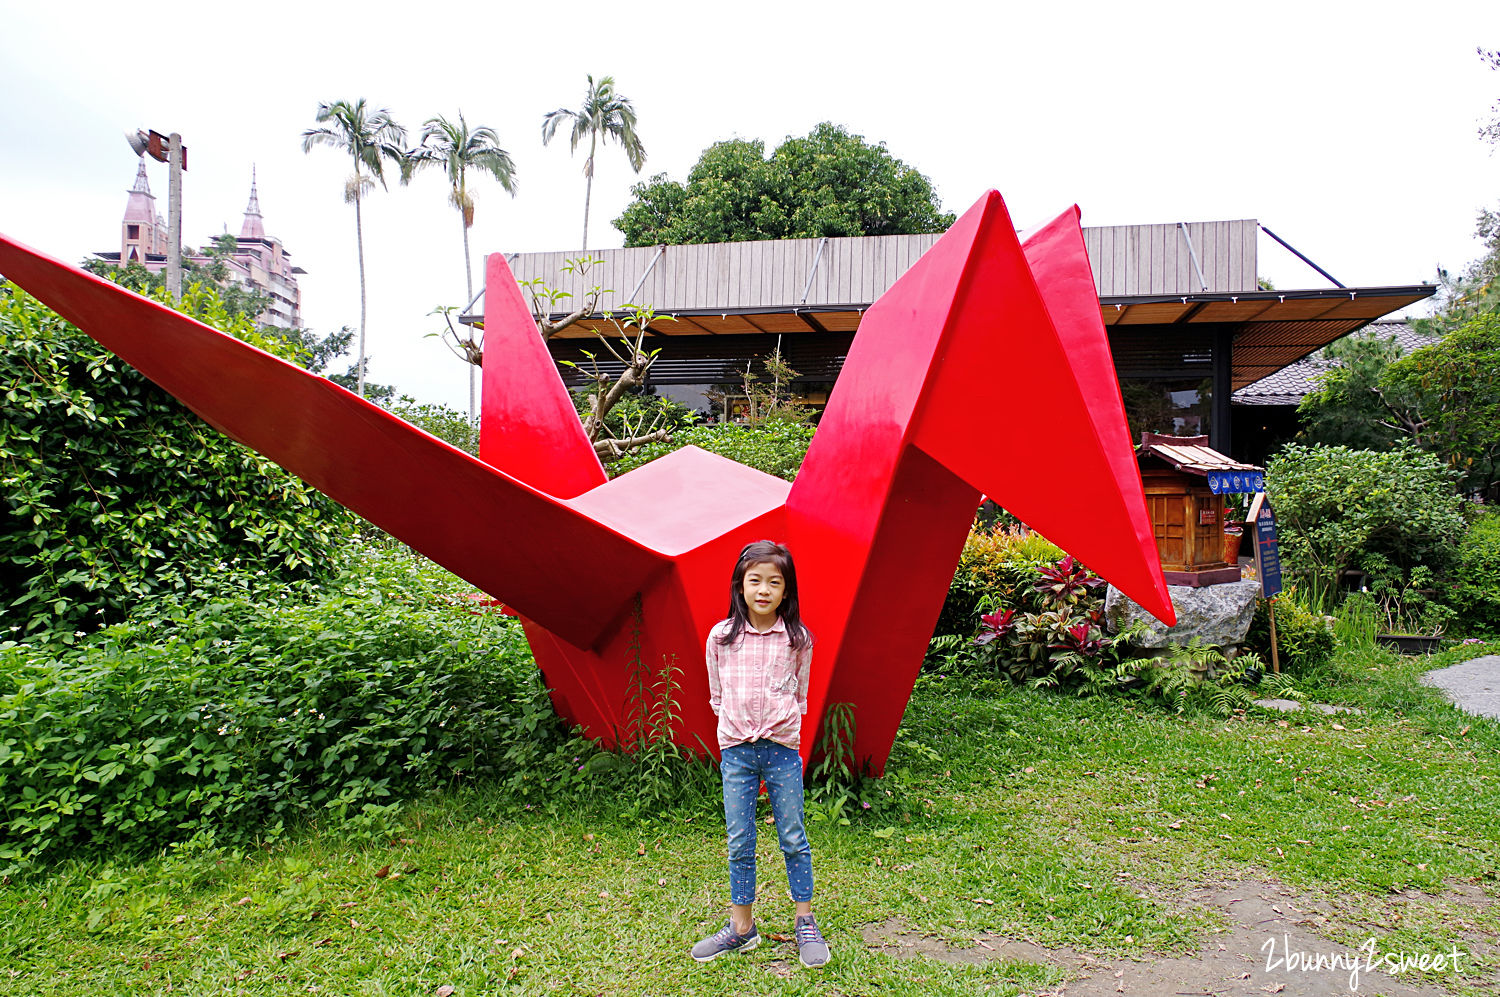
(758, 662)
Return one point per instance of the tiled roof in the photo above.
(1189, 453)
(1289, 385)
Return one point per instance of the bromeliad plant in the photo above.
(1066, 583)
(1056, 637)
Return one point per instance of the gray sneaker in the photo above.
(811, 948)
(726, 939)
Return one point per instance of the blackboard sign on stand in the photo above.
(1267, 563)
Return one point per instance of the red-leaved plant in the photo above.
(1066, 583)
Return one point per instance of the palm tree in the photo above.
(458, 150)
(604, 112)
(370, 137)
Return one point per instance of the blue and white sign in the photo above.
(1236, 482)
(1267, 551)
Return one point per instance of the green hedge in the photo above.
(775, 448)
(1476, 594)
(112, 493)
(226, 721)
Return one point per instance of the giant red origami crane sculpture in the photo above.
(972, 374)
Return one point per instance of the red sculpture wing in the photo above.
(529, 427)
(507, 537)
(1025, 342)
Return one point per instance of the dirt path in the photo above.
(1266, 924)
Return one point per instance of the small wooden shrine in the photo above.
(1185, 483)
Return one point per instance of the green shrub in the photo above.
(226, 721)
(1000, 563)
(775, 448)
(112, 493)
(1334, 505)
(447, 424)
(1305, 639)
(1476, 594)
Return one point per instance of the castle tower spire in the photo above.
(141, 231)
(253, 227)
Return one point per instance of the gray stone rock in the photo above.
(1292, 706)
(1220, 614)
(1474, 685)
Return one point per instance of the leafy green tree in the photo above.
(1443, 397)
(604, 114)
(114, 494)
(371, 138)
(826, 183)
(1453, 392)
(1347, 408)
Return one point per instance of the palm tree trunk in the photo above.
(469, 288)
(588, 188)
(359, 236)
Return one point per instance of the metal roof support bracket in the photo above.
(1290, 248)
(1193, 255)
(817, 258)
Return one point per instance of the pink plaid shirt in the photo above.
(758, 685)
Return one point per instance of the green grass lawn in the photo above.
(1058, 820)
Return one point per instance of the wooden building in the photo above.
(1187, 320)
(1187, 515)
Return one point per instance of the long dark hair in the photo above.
(765, 552)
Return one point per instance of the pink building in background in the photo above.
(258, 261)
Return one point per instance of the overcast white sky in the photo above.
(1349, 129)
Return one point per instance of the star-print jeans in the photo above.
(743, 766)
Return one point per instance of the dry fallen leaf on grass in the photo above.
(444, 991)
(383, 872)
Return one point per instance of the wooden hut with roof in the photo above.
(1185, 481)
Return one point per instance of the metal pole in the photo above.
(1193, 255)
(174, 216)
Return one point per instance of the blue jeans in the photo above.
(743, 766)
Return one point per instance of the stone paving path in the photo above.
(1474, 686)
